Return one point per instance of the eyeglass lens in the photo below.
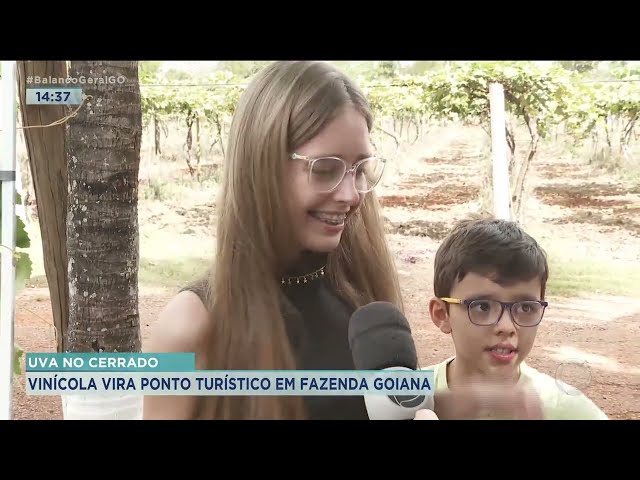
(487, 312)
(327, 173)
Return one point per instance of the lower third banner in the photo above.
(175, 374)
(400, 382)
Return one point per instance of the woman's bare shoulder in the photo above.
(184, 325)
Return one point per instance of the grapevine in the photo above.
(542, 99)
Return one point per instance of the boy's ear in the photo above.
(439, 315)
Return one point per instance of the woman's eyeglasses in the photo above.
(326, 173)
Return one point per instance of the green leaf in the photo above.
(17, 354)
(24, 268)
(22, 237)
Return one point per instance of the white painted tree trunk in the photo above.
(112, 406)
(103, 154)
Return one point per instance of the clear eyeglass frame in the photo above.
(312, 160)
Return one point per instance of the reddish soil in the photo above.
(438, 198)
(605, 330)
(585, 195)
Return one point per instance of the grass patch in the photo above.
(582, 268)
(171, 272)
(160, 266)
(584, 277)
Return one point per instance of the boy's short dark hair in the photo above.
(498, 249)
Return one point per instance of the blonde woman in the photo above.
(300, 245)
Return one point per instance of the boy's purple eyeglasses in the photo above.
(527, 313)
(326, 173)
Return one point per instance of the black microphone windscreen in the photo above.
(380, 337)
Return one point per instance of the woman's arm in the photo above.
(183, 326)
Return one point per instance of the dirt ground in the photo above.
(598, 216)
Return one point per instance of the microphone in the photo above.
(380, 339)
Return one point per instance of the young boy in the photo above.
(489, 284)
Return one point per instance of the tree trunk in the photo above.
(103, 156)
(521, 178)
(47, 161)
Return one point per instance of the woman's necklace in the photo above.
(304, 278)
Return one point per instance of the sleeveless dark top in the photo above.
(317, 323)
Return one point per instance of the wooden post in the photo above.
(501, 201)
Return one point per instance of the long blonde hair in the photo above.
(284, 106)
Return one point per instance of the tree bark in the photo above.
(103, 156)
(521, 178)
(48, 165)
